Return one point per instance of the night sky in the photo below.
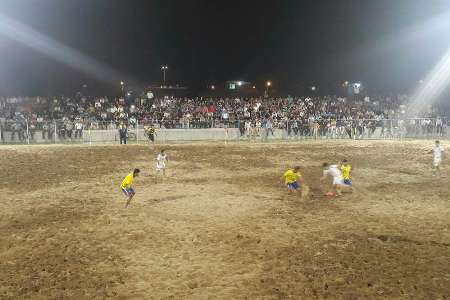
(387, 44)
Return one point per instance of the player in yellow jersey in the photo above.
(126, 185)
(293, 180)
(346, 169)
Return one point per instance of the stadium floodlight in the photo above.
(164, 69)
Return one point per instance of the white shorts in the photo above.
(437, 161)
(338, 181)
(160, 166)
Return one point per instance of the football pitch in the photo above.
(221, 225)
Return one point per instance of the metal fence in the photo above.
(64, 131)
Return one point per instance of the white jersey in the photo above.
(437, 152)
(336, 173)
(161, 160)
(437, 155)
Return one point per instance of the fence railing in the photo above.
(61, 131)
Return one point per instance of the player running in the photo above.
(293, 180)
(338, 179)
(161, 161)
(126, 185)
(346, 169)
(438, 153)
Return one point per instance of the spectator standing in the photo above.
(123, 132)
(69, 129)
(78, 129)
(45, 130)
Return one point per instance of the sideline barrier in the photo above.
(109, 133)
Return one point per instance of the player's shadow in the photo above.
(168, 198)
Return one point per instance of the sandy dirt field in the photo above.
(221, 225)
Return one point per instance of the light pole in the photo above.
(164, 69)
(268, 85)
(122, 86)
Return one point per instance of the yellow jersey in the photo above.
(291, 176)
(127, 181)
(346, 170)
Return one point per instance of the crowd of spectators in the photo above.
(67, 117)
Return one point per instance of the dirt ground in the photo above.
(221, 225)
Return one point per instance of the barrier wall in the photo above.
(179, 135)
(186, 135)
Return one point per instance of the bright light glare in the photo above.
(239, 83)
(56, 50)
(433, 85)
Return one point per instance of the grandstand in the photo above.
(78, 118)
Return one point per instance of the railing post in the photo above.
(137, 131)
(28, 131)
(54, 135)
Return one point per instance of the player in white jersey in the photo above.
(161, 161)
(438, 153)
(338, 179)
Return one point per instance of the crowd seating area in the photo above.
(69, 116)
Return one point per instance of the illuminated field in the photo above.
(221, 226)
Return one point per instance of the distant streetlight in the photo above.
(239, 83)
(164, 69)
(122, 85)
(254, 87)
(213, 87)
(346, 83)
(313, 88)
(268, 85)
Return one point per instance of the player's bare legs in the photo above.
(129, 200)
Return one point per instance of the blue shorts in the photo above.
(128, 192)
(293, 186)
(348, 182)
